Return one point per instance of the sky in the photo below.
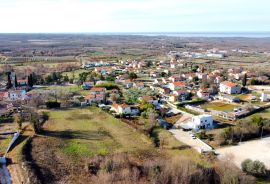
(67, 16)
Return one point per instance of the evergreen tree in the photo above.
(30, 80)
(244, 81)
(66, 79)
(9, 83)
(15, 81)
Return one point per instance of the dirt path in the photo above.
(15, 170)
(256, 150)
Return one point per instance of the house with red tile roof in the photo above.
(177, 85)
(98, 90)
(229, 87)
(3, 95)
(124, 109)
(204, 94)
(149, 99)
(95, 98)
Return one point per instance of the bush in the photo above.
(53, 105)
(6, 119)
(202, 135)
(255, 168)
(108, 85)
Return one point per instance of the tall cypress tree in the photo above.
(244, 81)
(15, 82)
(30, 80)
(9, 83)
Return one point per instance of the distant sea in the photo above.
(265, 34)
(195, 34)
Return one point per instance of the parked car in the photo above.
(193, 136)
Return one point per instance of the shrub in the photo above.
(255, 168)
(53, 105)
(107, 85)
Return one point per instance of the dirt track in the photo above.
(254, 150)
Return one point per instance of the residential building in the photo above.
(204, 94)
(229, 88)
(177, 85)
(98, 90)
(149, 99)
(204, 121)
(95, 98)
(16, 95)
(125, 109)
(264, 97)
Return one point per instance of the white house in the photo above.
(203, 94)
(264, 97)
(121, 108)
(17, 95)
(204, 121)
(124, 109)
(229, 88)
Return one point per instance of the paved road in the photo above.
(4, 175)
(254, 150)
(185, 138)
(172, 106)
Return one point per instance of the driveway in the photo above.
(185, 138)
(254, 150)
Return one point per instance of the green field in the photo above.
(71, 88)
(219, 106)
(90, 131)
(75, 73)
(4, 142)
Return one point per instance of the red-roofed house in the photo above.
(124, 109)
(95, 98)
(97, 95)
(97, 90)
(150, 99)
(177, 85)
(229, 87)
(3, 95)
(204, 94)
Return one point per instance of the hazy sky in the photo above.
(134, 16)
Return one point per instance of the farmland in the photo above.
(220, 106)
(73, 137)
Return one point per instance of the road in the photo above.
(174, 108)
(254, 150)
(4, 175)
(186, 138)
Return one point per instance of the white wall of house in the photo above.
(200, 94)
(230, 90)
(201, 122)
(17, 95)
(264, 97)
(134, 111)
(125, 110)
